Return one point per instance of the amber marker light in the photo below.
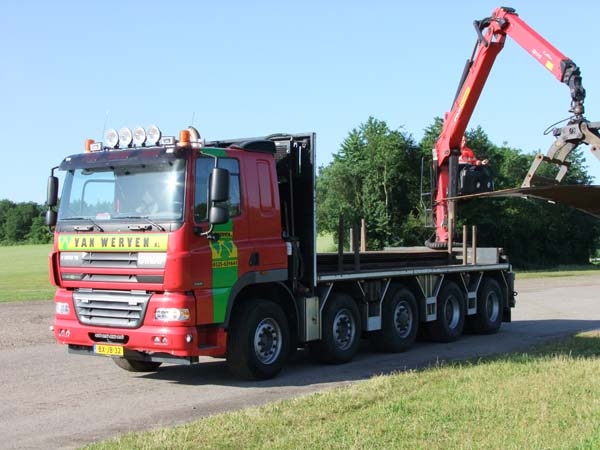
(88, 145)
(184, 138)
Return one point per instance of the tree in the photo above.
(373, 176)
(18, 221)
(38, 233)
(22, 223)
(5, 207)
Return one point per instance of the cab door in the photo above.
(214, 258)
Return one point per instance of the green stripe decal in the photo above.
(224, 269)
(217, 152)
(224, 257)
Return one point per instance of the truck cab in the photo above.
(155, 239)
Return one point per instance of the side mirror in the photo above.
(219, 192)
(51, 218)
(218, 215)
(219, 185)
(52, 194)
(52, 199)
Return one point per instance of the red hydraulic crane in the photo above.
(492, 33)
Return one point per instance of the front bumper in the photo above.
(171, 340)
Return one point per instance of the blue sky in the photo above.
(242, 69)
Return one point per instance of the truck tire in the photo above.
(450, 320)
(341, 331)
(399, 322)
(133, 365)
(489, 308)
(258, 341)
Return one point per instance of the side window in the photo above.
(233, 167)
(203, 169)
(264, 186)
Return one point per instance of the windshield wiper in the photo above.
(140, 228)
(85, 227)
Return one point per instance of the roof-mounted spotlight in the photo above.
(111, 138)
(139, 136)
(153, 135)
(125, 136)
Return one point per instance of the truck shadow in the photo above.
(302, 371)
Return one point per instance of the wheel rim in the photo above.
(452, 312)
(403, 319)
(267, 341)
(492, 306)
(344, 329)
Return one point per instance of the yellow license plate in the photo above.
(108, 350)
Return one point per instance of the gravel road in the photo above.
(51, 399)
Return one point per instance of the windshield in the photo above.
(104, 193)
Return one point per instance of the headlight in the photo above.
(62, 308)
(172, 314)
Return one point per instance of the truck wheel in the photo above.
(133, 365)
(450, 314)
(489, 308)
(341, 331)
(258, 342)
(399, 322)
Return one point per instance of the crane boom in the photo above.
(491, 36)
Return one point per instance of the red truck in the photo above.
(167, 249)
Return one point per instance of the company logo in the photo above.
(224, 253)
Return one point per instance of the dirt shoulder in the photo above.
(26, 323)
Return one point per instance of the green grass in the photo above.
(546, 399)
(325, 243)
(24, 273)
(560, 271)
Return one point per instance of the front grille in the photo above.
(113, 260)
(118, 278)
(123, 309)
(131, 267)
(110, 259)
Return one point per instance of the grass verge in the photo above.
(325, 243)
(546, 399)
(561, 271)
(24, 273)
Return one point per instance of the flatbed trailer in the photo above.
(423, 272)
